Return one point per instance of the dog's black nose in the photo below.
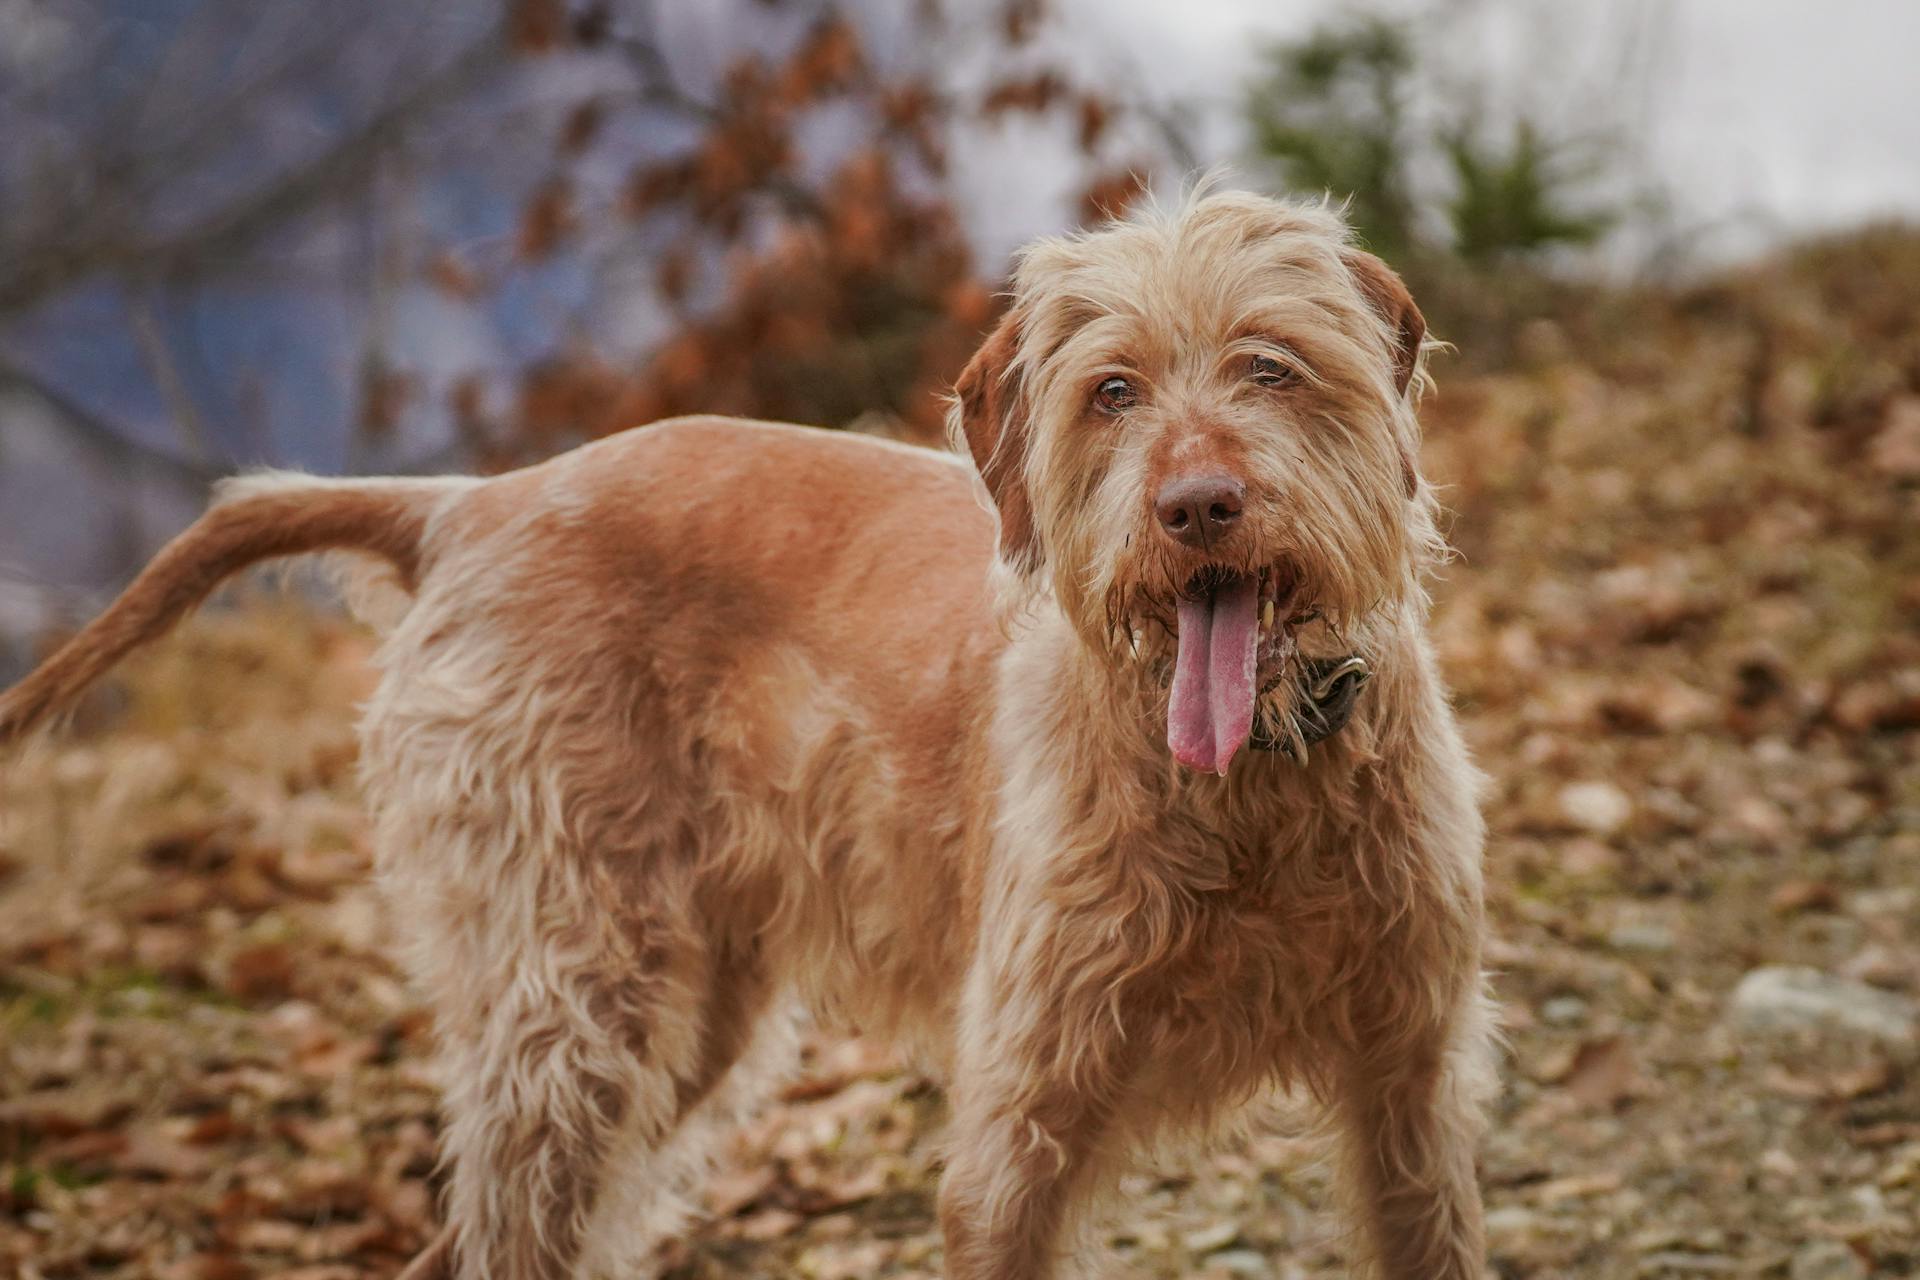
(1195, 510)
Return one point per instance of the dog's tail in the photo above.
(253, 518)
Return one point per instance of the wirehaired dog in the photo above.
(1075, 792)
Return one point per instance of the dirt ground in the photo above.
(1685, 635)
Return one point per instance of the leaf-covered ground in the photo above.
(1685, 635)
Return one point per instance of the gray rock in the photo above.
(1793, 999)
(1685, 1262)
(1826, 1260)
(1511, 1221)
(1241, 1262)
(1896, 902)
(1213, 1237)
(1597, 807)
(1564, 1011)
(1650, 938)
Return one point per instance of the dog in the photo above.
(1048, 758)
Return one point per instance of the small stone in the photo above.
(1597, 807)
(1803, 895)
(1564, 1011)
(1869, 1201)
(1511, 1222)
(1897, 902)
(1826, 1260)
(1795, 999)
(1211, 1238)
(1686, 1262)
(1880, 966)
(1647, 937)
(1241, 1262)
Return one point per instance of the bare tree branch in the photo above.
(46, 269)
(101, 435)
(191, 423)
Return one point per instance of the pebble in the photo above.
(1793, 998)
(1210, 1238)
(1686, 1263)
(1647, 937)
(1597, 807)
(1826, 1260)
(1884, 902)
(1879, 965)
(1510, 1221)
(1564, 1011)
(1241, 1262)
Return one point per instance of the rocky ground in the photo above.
(1685, 633)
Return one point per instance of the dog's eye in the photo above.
(1115, 394)
(1269, 372)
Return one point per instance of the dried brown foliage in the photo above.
(824, 296)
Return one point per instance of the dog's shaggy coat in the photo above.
(712, 722)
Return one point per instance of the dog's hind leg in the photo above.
(646, 1199)
(549, 1076)
(577, 1027)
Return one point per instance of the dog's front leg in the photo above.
(1033, 1091)
(1410, 1115)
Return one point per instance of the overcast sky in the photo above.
(1757, 117)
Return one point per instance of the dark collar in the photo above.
(1327, 690)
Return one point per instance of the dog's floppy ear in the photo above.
(993, 417)
(1388, 295)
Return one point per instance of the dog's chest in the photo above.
(1266, 934)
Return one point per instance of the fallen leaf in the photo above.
(261, 972)
(1602, 1072)
(1803, 895)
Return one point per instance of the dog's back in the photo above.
(704, 530)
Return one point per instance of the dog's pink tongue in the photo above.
(1211, 710)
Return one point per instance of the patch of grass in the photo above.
(113, 992)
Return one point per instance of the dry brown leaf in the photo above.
(735, 1189)
(65, 1112)
(1602, 1072)
(262, 972)
(165, 1152)
(1803, 895)
(767, 1224)
(1577, 1187)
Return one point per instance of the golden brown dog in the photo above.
(714, 721)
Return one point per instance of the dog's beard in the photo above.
(1231, 636)
(1232, 639)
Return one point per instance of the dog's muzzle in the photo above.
(1328, 689)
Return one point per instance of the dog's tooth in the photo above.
(1266, 616)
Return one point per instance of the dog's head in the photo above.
(1197, 428)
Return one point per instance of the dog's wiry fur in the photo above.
(713, 723)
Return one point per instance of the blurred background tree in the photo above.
(1520, 200)
(1330, 116)
(1470, 212)
(380, 236)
